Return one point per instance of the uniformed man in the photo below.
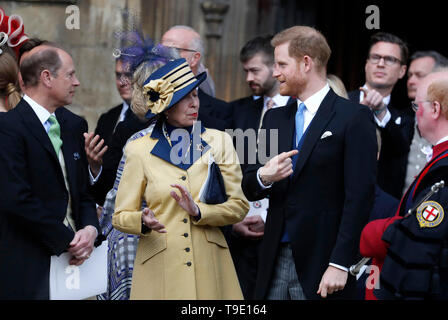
(412, 249)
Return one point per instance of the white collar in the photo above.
(42, 113)
(442, 140)
(313, 102)
(279, 100)
(125, 106)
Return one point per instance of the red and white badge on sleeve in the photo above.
(430, 214)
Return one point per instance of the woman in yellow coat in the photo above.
(182, 253)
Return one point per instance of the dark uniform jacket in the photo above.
(415, 246)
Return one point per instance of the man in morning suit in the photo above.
(45, 208)
(257, 58)
(321, 182)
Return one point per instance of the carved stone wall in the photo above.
(227, 28)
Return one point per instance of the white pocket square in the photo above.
(326, 135)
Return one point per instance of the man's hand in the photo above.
(333, 280)
(82, 245)
(277, 168)
(374, 100)
(251, 227)
(94, 151)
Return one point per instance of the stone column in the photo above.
(214, 12)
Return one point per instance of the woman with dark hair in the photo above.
(188, 180)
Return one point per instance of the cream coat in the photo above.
(191, 260)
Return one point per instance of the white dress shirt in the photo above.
(311, 106)
(41, 113)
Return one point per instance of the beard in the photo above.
(260, 89)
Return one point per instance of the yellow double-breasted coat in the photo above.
(191, 260)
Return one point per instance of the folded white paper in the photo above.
(79, 282)
(259, 207)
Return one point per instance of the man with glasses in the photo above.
(96, 144)
(422, 63)
(385, 65)
(108, 121)
(411, 248)
(213, 113)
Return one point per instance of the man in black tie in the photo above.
(45, 208)
(321, 198)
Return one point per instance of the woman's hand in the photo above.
(151, 222)
(185, 200)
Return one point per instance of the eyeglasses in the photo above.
(182, 49)
(416, 103)
(388, 60)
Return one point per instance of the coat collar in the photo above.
(176, 155)
(35, 126)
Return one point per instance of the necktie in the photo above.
(299, 122)
(55, 133)
(270, 103)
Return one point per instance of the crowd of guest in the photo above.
(196, 197)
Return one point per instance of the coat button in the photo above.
(189, 263)
(185, 235)
(184, 178)
(185, 220)
(187, 249)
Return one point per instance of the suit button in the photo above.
(185, 235)
(185, 220)
(189, 263)
(184, 178)
(187, 249)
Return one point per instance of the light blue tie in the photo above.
(299, 122)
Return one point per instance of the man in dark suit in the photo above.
(257, 58)
(385, 66)
(321, 182)
(213, 113)
(98, 142)
(45, 208)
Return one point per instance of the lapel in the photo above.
(163, 150)
(68, 147)
(287, 123)
(36, 128)
(314, 131)
(256, 110)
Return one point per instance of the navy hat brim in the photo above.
(180, 94)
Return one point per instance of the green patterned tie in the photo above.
(55, 134)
